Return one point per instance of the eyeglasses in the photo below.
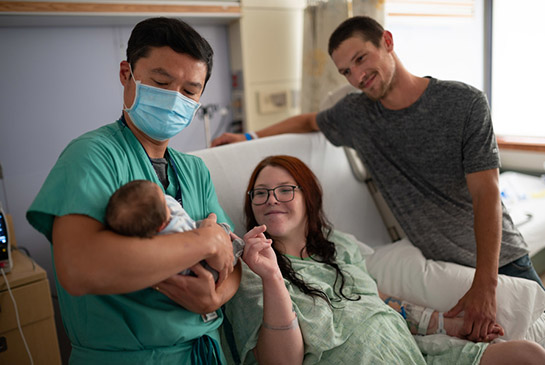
(282, 193)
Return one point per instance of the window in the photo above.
(443, 39)
(446, 39)
(517, 67)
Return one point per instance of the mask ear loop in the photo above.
(196, 110)
(135, 91)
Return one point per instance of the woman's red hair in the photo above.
(310, 188)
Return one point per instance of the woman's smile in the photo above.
(275, 212)
(282, 219)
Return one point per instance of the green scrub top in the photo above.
(143, 326)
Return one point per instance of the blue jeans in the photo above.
(521, 268)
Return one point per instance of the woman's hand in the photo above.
(258, 253)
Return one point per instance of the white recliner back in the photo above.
(347, 201)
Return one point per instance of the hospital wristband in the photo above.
(293, 324)
(424, 321)
(250, 135)
(441, 325)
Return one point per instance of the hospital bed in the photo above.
(524, 197)
(399, 268)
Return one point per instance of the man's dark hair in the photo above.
(171, 32)
(367, 28)
(136, 209)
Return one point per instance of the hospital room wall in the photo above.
(59, 82)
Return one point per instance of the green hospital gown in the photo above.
(142, 327)
(366, 331)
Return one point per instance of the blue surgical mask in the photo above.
(161, 114)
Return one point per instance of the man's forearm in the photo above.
(487, 212)
(488, 228)
(92, 260)
(230, 286)
(303, 123)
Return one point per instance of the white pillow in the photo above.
(402, 271)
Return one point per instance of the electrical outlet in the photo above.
(273, 101)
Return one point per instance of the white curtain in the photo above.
(320, 75)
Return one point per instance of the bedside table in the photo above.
(30, 287)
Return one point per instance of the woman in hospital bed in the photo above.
(309, 298)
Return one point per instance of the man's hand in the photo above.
(479, 307)
(196, 294)
(222, 259)
(227, 138)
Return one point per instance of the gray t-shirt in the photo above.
(419, 157)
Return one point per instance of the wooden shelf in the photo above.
(534, 144)
(61, 13)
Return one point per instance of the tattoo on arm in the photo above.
(410, 312)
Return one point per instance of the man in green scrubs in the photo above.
(121, 299)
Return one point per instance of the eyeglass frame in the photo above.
(274, 193)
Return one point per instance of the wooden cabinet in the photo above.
(30, 288)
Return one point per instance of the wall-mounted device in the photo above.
(5, 249)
